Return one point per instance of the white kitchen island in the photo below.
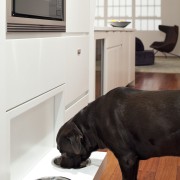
(118, 56)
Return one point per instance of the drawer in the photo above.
(35, 66)
(76, 107)
(76, 68)
(114, 39)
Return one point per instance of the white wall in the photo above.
(170, 16)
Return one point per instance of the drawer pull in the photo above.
(79, 51)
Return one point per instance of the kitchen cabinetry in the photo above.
(119, 57)
(113, 75)
(113, 63)
(76, 65)
(76, 75)
(37, 66)
(130, 48)
(47, 85)
(78, 15)
(46, 79)
(45, 76)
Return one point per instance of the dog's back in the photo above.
(148, 120)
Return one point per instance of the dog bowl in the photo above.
(121, 24)
(53, 178)
(57, 160)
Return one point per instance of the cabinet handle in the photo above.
(79, 51)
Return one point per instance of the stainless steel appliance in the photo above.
(36, 15)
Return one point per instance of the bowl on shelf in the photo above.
(121, 24)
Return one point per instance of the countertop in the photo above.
(102, 32)
(106, 29)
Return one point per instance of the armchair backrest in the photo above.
(171, 38)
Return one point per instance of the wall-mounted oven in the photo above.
(36, 15)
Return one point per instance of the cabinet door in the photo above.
(125, 58)
(113, 66)
(76, 69)
(119, 60)
(35, 66)
(77, 16)
(113, 39)
(129, 57)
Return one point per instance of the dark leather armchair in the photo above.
(170, 41)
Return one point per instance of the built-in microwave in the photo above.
(36, 15)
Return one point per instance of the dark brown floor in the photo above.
(164, 168)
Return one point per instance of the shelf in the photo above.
(45, 167)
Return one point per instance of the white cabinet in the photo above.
(113, 75)
(130, 44)
(119, 59)
(78, 16)
(76, 69)
(76, 75)
(113, 62)
(43, 74)
(128, 57)
(35, 66)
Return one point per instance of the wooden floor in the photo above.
(164, 168)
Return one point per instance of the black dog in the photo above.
(134, 124)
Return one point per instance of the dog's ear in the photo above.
(75, 140)
(75, 144)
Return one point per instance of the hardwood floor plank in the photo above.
(112, 166)
(167, 169)
(117, 174)
(178, 161)
(178, 173)
(146, 175)
(149, 165)
(148, 168)
(151, 81)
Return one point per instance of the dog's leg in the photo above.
(129, 164)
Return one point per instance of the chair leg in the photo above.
(164, 54)
(155, 51)
(175, 55)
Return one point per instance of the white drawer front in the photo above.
(76, 69)
(114, 39)
(76, 107)
(35, 66)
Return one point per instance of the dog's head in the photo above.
(70, 143)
